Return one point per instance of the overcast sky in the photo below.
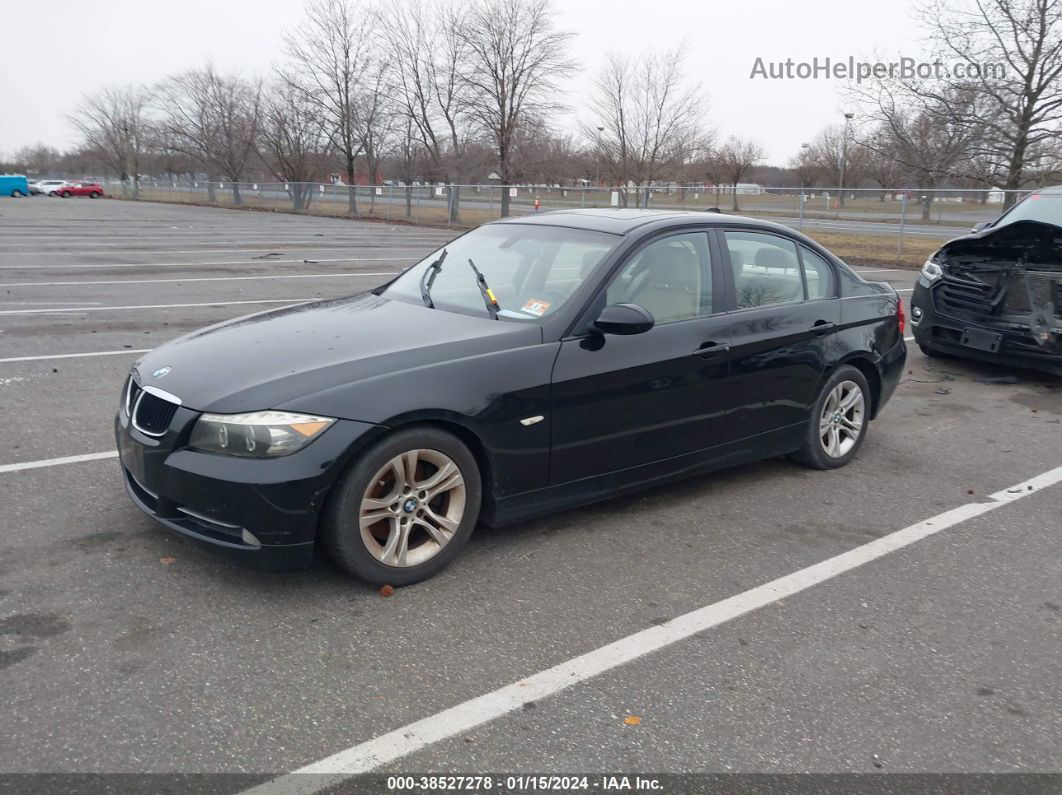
(58, 50)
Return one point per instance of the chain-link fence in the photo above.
(871, 224)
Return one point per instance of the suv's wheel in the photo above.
(838, 422)
(405, 508)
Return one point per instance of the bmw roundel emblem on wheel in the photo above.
(530, 365)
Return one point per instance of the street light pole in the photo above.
(844, 156)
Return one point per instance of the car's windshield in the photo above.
(531, 269)
(1043, 207)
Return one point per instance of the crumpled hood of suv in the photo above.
(267, 359)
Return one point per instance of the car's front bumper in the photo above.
(263, 511)
(943, 332)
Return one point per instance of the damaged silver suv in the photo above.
(996, 295)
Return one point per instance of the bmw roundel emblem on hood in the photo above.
(161, 372)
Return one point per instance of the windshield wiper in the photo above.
(427, 279)
(485, 291)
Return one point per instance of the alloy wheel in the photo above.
(412, 507)
(842, 419)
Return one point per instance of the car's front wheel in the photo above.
(94, 195)
(405, 508)
(66, 194)
(838, 422)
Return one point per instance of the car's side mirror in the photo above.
(980, 226)
(624, 319)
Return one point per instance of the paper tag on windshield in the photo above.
(535, 307)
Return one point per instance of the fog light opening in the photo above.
(249, 539)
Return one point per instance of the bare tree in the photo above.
(333, 64)
(833, 158)
(112, 122)
(39, 159)
(931, 138)
(653, 119)
(516, 58)
(735, 160)
(804, 167)
(212, 119)
(1010, 54)
(293, 140)
(877, 158)
(428, 53)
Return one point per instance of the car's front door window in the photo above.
(671, 277)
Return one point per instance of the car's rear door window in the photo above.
(818, 274)
(766, 269)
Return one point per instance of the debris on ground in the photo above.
(944, 391)
(387, 590)
(167, 561)
(632, 720)
(877, 760)
(267, 256)
(998, 379)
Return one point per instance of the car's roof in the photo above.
(1050, 189)
(622, 222)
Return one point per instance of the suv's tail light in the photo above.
(901, 318)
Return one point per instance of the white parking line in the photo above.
(152, 252)
(201, 279)
(71, 355)
(408, 739)
(51, 462)
(298, 261)
(905, 290)
(292, 301)
(309, 242)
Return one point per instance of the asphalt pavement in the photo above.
(127, 649)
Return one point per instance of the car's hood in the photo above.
(1018, 236)
(265, 360)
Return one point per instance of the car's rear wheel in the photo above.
(17, 194)
(839, 421)
(52, 193)
(405, 508)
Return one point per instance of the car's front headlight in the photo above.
(932, 271)
(259, 434)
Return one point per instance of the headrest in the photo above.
(773, 257)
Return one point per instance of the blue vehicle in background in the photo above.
(14, 185)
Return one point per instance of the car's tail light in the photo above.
(901, 318)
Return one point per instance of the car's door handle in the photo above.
(709, 349)
(822, 327)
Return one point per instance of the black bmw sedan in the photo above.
(530, 365)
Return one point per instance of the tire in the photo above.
(17, 194)
(825, 430)
(380, 477)
(94, 195)
(52, 193)
(66, 194)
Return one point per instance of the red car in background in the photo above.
(91, 189)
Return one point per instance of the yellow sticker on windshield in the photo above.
(536, 307)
